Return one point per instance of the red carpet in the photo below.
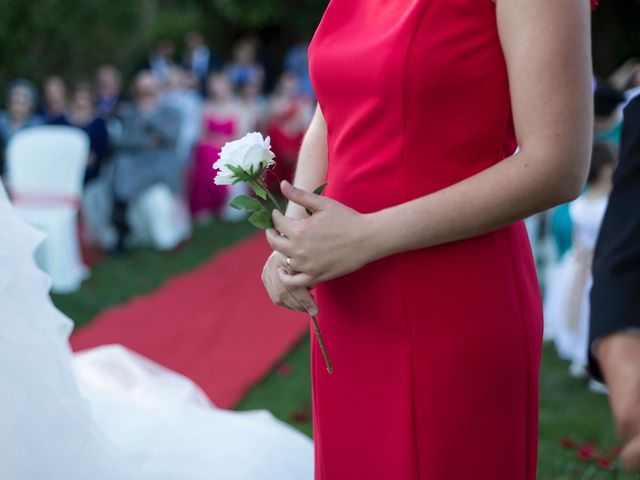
(215, 325)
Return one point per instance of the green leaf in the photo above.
(244, 202)
(241, 173)
(317, 191)
(320, 189)
(259, 190)
(261, 219)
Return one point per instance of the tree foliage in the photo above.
(44, 36)
(40, 37)
(70, 37)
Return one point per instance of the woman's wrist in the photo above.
(376, 236)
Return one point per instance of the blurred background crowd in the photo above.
(163, 130)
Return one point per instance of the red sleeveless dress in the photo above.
(436, 351)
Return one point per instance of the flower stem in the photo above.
(321, 343)
(316, 329)
(261, 182)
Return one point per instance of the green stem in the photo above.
(260, 182)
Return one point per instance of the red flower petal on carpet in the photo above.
(300, 416)
(587, 451)
(605, 463)
(303, 414)
(284, 370)
(615, 451)
(567, 442)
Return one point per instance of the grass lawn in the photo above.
(568, 409)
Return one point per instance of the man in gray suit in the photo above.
(146, 154)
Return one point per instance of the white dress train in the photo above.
(108, 413)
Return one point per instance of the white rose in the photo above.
(252, 153)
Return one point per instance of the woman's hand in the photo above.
(334, 241)
(289, 297)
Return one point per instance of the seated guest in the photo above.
(289, 115)
(82, 114)
(244, 67)
(108, 84)
(297, 62)
(222, 119)
(54, 109)
(160, 60)
(20, 113)
(255, 106)
(199, 60)
(615, 298)
(188, 103)
(146, 154)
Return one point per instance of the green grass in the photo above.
(119, 279)
(568, 408)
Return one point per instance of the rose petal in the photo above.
(605, 463)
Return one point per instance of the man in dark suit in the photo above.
(615, 297)
(199, 60)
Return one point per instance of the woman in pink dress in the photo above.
(222, 120)
(426, 290)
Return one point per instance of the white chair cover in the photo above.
(159, 218)
(45, 171)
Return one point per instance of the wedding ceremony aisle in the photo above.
(577, 440)
(215, 324)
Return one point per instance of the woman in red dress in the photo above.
(289, 115)
(426, 289)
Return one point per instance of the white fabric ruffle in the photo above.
(109, 413)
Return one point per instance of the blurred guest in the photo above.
(614, 352)
(289, 115)
(199, 60)
(626, 78)
(254, 106)
(567, 302)
(160, 60)
(222, 117)
(188, 103)
(297, 62)
(244, 67)
(608, 102)
(146, 153)
(109, 84)
(83, 115)
(54, 109)
(20, 114)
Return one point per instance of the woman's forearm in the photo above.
(311, 170)
(546, 48)
(509, 191)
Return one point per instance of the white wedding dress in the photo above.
(109, 414)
